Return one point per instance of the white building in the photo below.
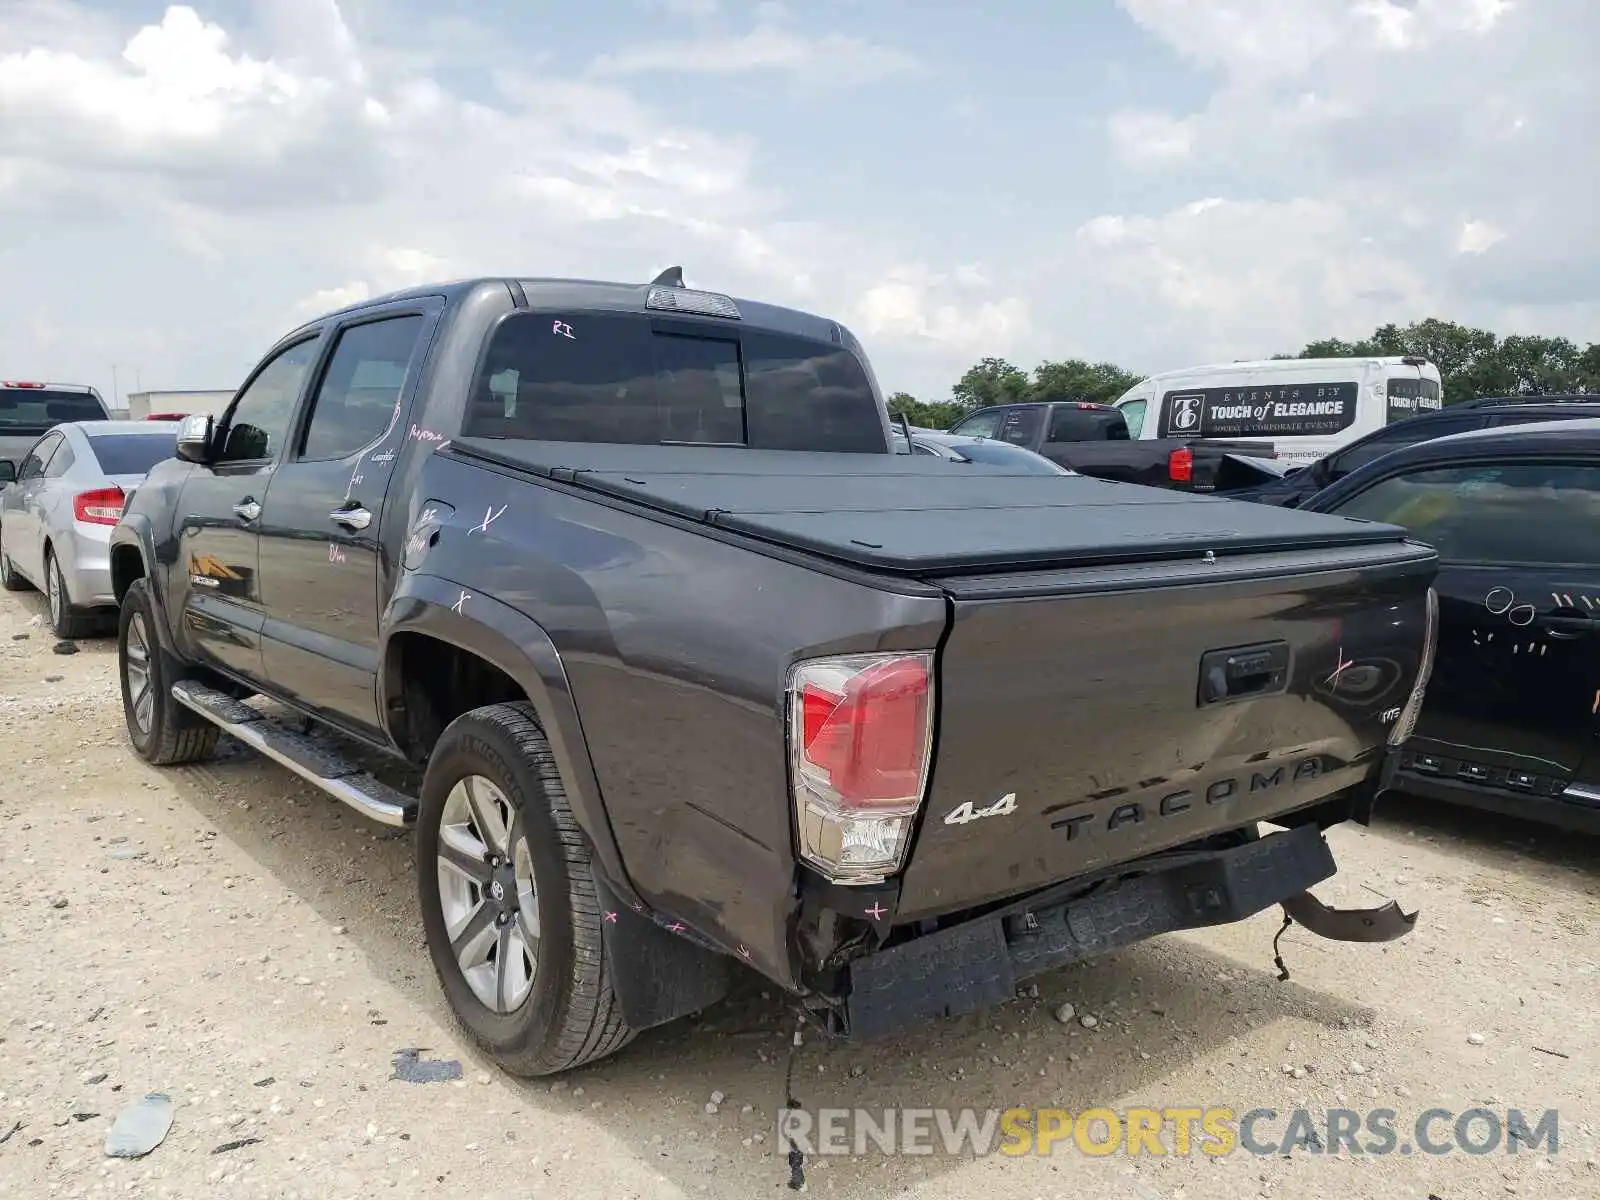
(142, 405)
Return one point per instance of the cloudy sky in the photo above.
(1157, 182)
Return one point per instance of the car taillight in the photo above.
(1407, 720)
(100, 507)
(860, 740)
(1180, 465)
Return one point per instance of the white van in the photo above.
(1306, 407)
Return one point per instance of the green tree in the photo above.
(992, 381)
(1075, 379)
(1539, 366)
(938, 415)
(1474, 362)
(1589, 368)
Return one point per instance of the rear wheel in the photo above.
(163, 731)
(509, 908)
(64, 620)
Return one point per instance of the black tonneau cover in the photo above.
(915, 514)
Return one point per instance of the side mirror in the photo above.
(8, 471)
(194, 438)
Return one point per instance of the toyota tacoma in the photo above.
(699, 676)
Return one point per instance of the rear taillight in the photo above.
(860, 739)
(1180, 465)
(1407, 721)
(100, 507)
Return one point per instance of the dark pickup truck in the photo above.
(702, 677)
(1092, 439)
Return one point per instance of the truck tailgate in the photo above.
(1075, 729)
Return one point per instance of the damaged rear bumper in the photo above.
(1383, 924)
(978, 963)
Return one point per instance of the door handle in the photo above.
(1568, 627)
(352, 518)
(247, 510)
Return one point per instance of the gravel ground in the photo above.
(233, 939)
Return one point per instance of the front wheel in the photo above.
(10, 579)
(163, 731)
(509, 908)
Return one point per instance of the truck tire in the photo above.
(163, 731)
(503, 867)
(66, 621)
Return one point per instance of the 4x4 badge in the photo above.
(964, 812)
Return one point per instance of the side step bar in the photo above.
(337, 776)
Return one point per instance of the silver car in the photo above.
(57, 509)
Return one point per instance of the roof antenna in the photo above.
(671, 277)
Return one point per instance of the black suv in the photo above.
(1295, 488)
(1509, 717)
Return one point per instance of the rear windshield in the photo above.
(1069, 423)
(1287, 410)
(34, 410)
(618, 377)
(131, 453)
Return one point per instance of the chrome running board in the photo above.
(334, 774)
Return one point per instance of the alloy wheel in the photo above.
(136, 672)
(488, 893)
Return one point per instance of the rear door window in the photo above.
(1020, 426)
(359, 396)
(621, 378)
(1285, 410)
(32, 465)
(1511, 514)
(61, 461)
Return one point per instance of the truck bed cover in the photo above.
(917, 515)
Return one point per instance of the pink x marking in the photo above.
(675, 927)
(611, 918)
(1333, 680)
(877, 911)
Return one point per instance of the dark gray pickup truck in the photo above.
(704, 678)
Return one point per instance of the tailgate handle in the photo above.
(1243, 671)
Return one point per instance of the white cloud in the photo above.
(1238, 279)
(325, 300)
(1477, 237)
(1346, 139)
(1355, 161)
(914, 303)
(832, 58)
(239, 178)
(697, 10)
(1143, 138)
